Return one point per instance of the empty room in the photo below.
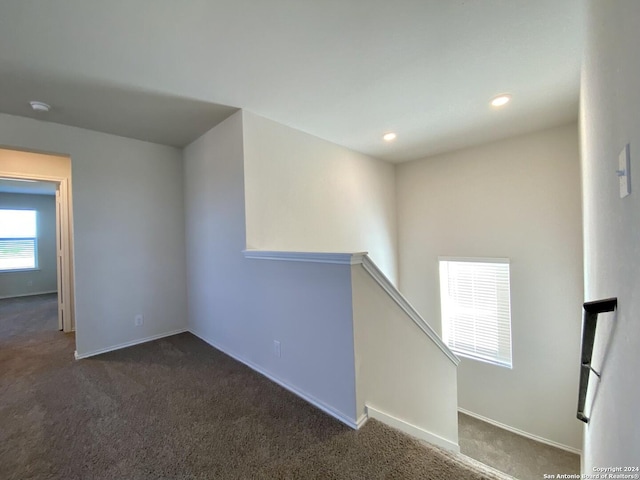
(358, 239)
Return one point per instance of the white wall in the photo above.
(306, 194)
(128, 230)
(399, 370)
(610, 119)
(518, 198)
(44, 279)
(241, 305)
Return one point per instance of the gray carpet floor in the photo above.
(176, 409)
(514, 454)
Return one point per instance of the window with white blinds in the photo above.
(18, 240)
(476, 308)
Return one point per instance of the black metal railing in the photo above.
(589, 323)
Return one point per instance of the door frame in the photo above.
(64, 254)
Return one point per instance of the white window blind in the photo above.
(476, 308)
(18, 240)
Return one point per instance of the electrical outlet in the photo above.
(276, 348)
(138, 320)
(30, 283)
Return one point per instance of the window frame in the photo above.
(36, 263)
(498, 360)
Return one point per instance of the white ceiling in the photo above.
(346, 70)
(31, 188)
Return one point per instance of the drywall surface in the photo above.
(307, 194)
(399, 370)
(242, 306)
(44, 279)
(518, 198)
(609, 120)
(128, 229)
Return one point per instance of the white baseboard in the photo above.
(350, 422)
(412, 430)
(128, 344)
(27, 295)
(522, 433)
(361, 421)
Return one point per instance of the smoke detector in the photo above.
(39, 106)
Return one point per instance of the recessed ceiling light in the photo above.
(389, 137)
(39, 106)
(501, 100)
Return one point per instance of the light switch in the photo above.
(624, 175)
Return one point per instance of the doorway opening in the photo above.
(36, 232)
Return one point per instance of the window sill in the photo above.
(496, 363)
(20, 270)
